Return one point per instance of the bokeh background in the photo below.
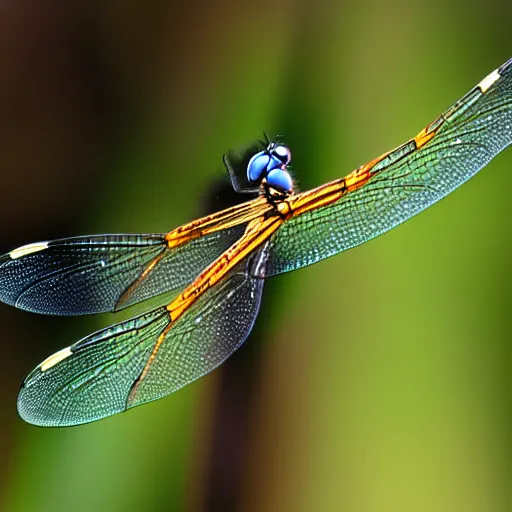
(378, 380)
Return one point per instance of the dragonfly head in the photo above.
(280, 152)
(281, 180)
(271, 165)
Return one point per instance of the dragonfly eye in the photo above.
(280, 179)
(282, 153)
(257, 166)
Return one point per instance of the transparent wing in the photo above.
(405, 181)
(81, 275)
(96, 377)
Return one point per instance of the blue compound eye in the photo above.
(280, 180)
(257, 166)
(282, 153)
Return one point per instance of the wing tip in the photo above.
(31, 410)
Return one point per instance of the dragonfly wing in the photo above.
(82, 275)
(405, 181)
(102, 374)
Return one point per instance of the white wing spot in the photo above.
(55, 358)
(25, 250)
(487, 82)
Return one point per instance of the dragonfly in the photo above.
(212, 270)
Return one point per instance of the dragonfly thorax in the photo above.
(271, 165)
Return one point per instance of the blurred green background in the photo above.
(378, 380)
